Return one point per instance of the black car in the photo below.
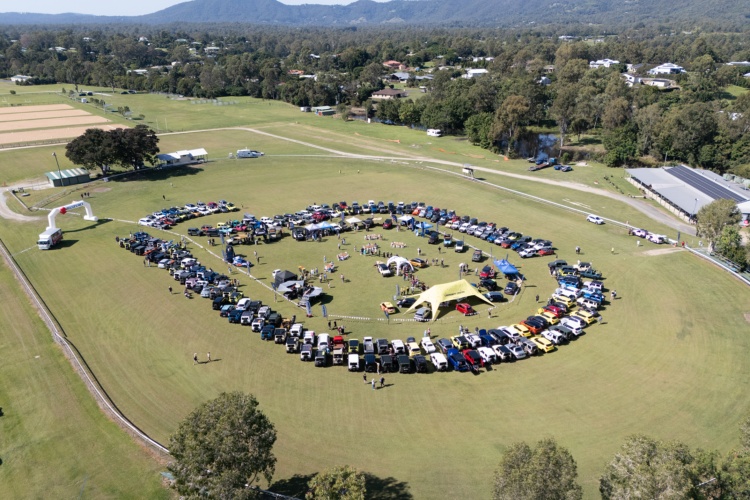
(488, 284)
(194, 231)
(510, 289)
(404, 364)
(494, 296)
(420, 364)
(406, 302)
(299, 233)
(386, 363)
(434, 238)
(477, 256)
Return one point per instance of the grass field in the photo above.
(55, 442)
(669, 361)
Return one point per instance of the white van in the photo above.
(353, 363)
(434, 132)
(324, 341)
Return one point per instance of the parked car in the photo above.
(353, 362)
(427, 345)
(439, 361)
(406, 302)
(465, 309)
(443, 345)
(306, 353)
(387, 307)
(404, 363)
(517, 351)
(487, 354)
(459, 246)
(595, 219)
(477, 256)
(422, 314)
(487, 272)
(473, 358)
(543, 344)
(457, 361)
(494, 296)
(510, 288)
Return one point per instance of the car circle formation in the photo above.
(571, 309)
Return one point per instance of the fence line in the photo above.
(75, 357)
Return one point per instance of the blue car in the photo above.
(595, 296)
(456, 360)
(266, 333)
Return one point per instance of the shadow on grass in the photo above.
(153, 174)
(100, 222)
(386, 488)
(295, 486)
(65, 244)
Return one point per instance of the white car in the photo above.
(257, 324)
(146, 221)
(398, 346)
(456, 224)
(243, 303)
(641, 233)
(595, 219)
(383, 269)
(266, 220)
(438, 359)
(463, 227)
(556, 338)
(296, 330)
(528, 252)
(353, 363)
(474, 340)
(487, 354)
(594, 285)
(323, 342)
(588, 303)
(428, 346)
(572, 322)
(309, 337)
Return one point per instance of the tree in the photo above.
(222, 447)
(645, 468)
(94, 149)
(712, 219)
(337, 483)
(479, 129)
(135, 146)
(510, 118)
(547, 472)
(563, 109)
(735, 473)
(730, 246)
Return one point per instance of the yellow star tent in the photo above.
(455, 290)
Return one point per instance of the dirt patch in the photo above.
(52, 122)
(101, 190)
(40, 107)
(38, 115)
(661, 251)
(49, 134)
(747, 317)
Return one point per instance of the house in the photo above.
(602, 63)
(394, 65)
(471, 73)
(399, 76)
(385, 94)
(295, 72)
(631, 80)
(544, 81)
(477, 59)
(667, 69)
(180, 158)
(58, 178)
(212, 49)
(143, 39)
(550, 68)
(20, 79)
(662, 83)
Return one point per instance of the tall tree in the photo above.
(223, 446)
(645, 468)
(94, 149)
(135, 146)
(510, 118)
(730, 246)
(337, 483)
(714, 217)
(563, 109)
(546, 472)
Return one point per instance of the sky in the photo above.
(116, 7)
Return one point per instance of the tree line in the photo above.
(699, 122)
(225, 446)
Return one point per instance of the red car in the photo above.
(388, 224)
(533, 328)
(487, 272)
(546, 251)
(473, 358)
(465, 309)
(559, 313)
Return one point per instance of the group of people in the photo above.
(382, 381)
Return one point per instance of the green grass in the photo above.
(56, 443)
(668, 362)
(735, 91)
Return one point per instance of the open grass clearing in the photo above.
(56, 442)
(677, 372)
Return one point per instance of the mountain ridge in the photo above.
(479, 13)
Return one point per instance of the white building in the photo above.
(602, 63)
(666, 69)
(471, 73)
(20, 78)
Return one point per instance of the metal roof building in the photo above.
(179, 158)
(688, 189)
(68, 177)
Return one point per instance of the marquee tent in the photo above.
(399, 261)
(354, 220)
(506, 267)
(455, 290)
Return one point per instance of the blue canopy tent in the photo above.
(506, 267)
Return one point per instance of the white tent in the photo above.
(354, 220)
(399, 261)
(405, 219)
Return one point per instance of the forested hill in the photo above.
(432, 12)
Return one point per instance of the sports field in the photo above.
(669, 361)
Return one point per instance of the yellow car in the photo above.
(460, 342)
(521, 329)
(551, 318)
(543, 344)
(585, 316)
(387, 307)
(413, 349)
(563, 299)
(232, 207)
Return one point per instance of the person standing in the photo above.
(170, 290)
(208, 357)
(537, 298)
(329, 324)
(382, 382)
(373, 384)
(364, 377)
(195, 358)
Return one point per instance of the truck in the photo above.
(248, 153)
(49, 238)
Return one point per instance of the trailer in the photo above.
(49, 238)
